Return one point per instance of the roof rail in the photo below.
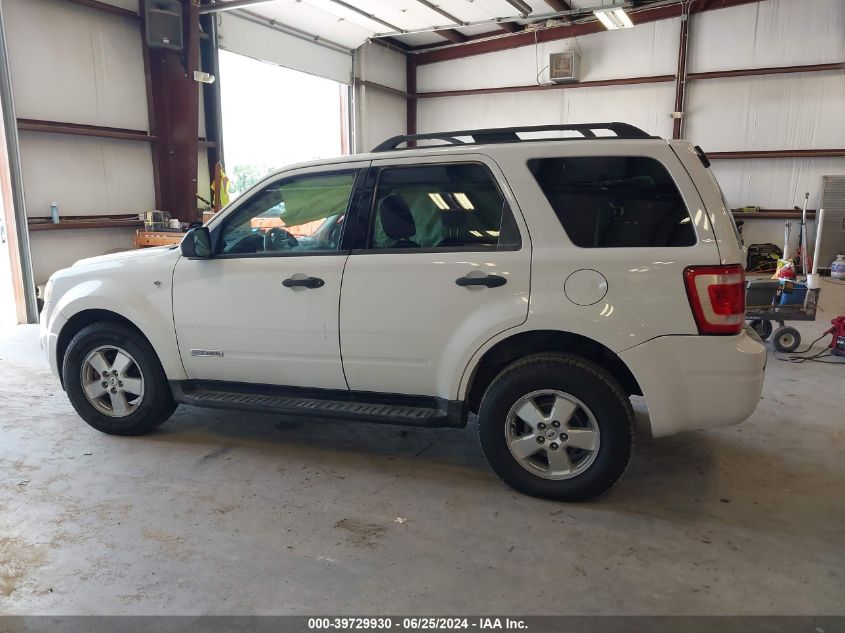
(510, 134)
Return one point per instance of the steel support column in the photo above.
(175, 101)
(212, 98)
(681, 76)
(12, 188)
(411, 99)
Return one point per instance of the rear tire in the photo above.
(556, 426)
(115, 381)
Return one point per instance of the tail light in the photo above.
(717, 298)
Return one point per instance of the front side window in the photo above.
(615, 201)
(449, 206)
(302, 214)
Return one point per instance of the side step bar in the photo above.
(322, 403)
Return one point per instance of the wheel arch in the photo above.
(84, 318)
(523, 344)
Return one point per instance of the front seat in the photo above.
(397, 221)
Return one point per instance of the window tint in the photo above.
(618, 201)
(302, 214)
(441, 206)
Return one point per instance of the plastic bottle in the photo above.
(837, 268)
(54, 212)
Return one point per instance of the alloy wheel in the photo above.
(552, 434)
(112, 381)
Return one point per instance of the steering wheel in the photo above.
(278, 239)
(333, 234)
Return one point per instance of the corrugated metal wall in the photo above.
(75, 64)
(788, 111)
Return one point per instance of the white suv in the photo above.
(536, 282)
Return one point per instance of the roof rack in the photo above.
(510, 134)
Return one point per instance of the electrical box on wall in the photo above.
(564, 67)
(164, 24)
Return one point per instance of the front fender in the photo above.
(146, 303)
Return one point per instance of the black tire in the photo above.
(763, 327)
(587, 382)
(786, 339)
(156, 404)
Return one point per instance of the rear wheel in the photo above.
(556, 426)
(115, 381)
(787, 339)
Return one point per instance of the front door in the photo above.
(444, 266)
(264, 308)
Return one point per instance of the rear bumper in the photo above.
(698, 382)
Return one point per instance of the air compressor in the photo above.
(837, 332)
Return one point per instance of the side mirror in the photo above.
(196, 244)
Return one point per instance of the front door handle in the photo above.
(304, 282)
(491, 281)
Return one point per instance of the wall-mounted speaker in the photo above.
(164, 24)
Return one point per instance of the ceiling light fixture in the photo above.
(464, 201)
(438, 200)
(614, 18)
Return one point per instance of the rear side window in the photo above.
(615, 201)
(448, 206)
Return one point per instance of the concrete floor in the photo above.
(226, 513)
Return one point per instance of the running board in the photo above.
(320, 403)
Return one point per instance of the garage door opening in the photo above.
(274, 116)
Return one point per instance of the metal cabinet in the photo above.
(833, 235)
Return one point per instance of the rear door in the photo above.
(614, 224)
(442, 265)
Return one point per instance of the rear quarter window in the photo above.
(615, 201)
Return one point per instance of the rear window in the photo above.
(449, 206)
(615, 201)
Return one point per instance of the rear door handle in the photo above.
(304, 282)
(491, 281)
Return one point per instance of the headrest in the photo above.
(396, 218)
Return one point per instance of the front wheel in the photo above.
(115, 381)
(556, 426)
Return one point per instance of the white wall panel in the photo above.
(52, 250)
(380, 116)
(86, 176)
(646, 106)
(381, 65)
(771, 33)
(778, 183)
(797, 111)
(74, 64)
(774, 183)
(244, 37)
(203, 177)
(648, 49)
